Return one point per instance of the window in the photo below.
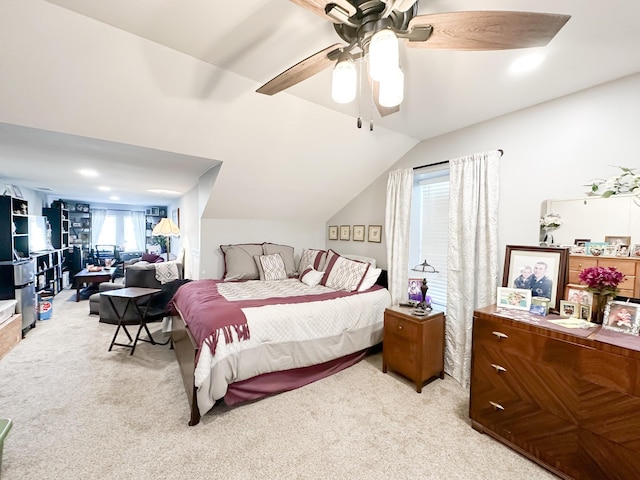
(429, 229)
(118, 229)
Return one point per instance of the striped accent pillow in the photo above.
(311, 258)
(344, 274)
(311, 277)
(271, 267)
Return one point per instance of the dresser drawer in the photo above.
(401, 327)
(580, 263)
(628, 267)
(514, 377)
(538, 348)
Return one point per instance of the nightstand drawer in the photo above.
(401, 327)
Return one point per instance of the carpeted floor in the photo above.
(81, 412)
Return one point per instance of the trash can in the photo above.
(5, 426)
(45, 305)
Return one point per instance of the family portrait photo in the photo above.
(538, 269)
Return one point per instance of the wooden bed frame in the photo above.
(187, 352)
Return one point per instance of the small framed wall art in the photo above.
(333, 232)
(345, 232)
(375, 233)
(358, 233)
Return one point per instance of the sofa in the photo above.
(140, 274)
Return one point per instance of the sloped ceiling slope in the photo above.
(444, 90)
(292, 159)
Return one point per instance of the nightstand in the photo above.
(413, 346)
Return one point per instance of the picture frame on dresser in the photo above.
(617, 239)
(622, 317)
(549, 266)
(634, 251)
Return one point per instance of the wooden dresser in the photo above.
(568, 399)
(412, 345)
(627, 265)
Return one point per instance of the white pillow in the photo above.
(370, 279)
(370, 260)
(271, 267)
(311, 277)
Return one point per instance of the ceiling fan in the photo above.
(370, 30)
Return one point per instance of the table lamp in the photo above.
(424, 268)
(166, 228)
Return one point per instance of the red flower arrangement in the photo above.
(602, 280)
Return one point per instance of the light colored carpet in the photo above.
(81, 412)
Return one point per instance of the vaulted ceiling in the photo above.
(179, 76)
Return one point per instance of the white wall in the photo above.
(216, 232)
(550, 151)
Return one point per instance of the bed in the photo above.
(245, 339)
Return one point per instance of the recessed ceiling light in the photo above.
(527, 63)
(163, 191)
(88, 173)
(113, 197)
(104, 188)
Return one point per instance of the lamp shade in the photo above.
(344, 80)
(391, 90)
(166, 228)
(384, 55)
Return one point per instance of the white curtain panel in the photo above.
(472, 263)
(140, 229)
(98, 216)
(397, 222)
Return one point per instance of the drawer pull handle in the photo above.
(500, 335)
(497, 406)
(399, 327)
(498, 368)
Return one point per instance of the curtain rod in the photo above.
(446, 161)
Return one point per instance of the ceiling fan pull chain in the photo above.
(359, 123)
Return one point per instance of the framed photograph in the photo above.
(581, 241)
(623, 251)
(543, 270)
(614, 240)
(578, 249)
(518, 298)
(634, 251)
(595, 248)
(622, 317)
(375, 233)
(414, 292)
(333, 232)
(358, 233)
(345, 232)
(610, 250)
(162, 212)
(569, 309)
(155, 211)
(585, 312)
(579, 294)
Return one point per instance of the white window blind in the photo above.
(432, 197)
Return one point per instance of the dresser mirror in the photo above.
(595, 218)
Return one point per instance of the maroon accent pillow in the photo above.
(151, 258)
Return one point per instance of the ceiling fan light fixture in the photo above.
(391, 92)
(384, 54)
(344, 80)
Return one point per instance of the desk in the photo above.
(85, 276)
(131, 295)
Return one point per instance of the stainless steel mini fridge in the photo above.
(17, 280)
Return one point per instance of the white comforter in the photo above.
(287, 336)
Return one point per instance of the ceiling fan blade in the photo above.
(488, 30)
(300, 71)
(383, 111)
(319, 7)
